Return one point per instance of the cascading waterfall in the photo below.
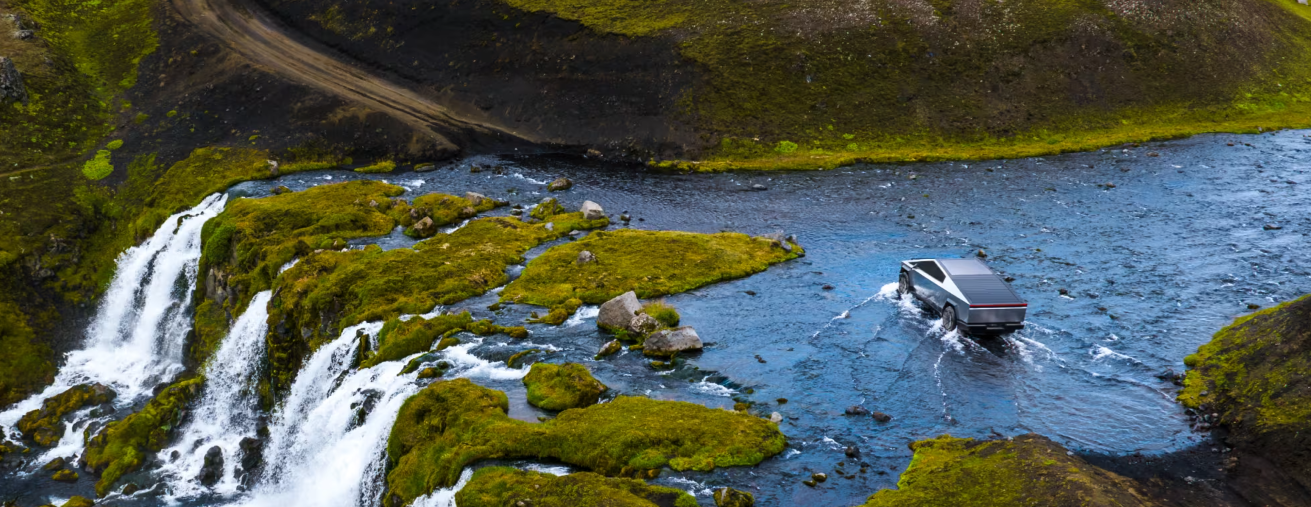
(136, 339)
(226, 412)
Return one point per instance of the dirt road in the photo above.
(259, 38)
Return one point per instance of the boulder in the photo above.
(560, 184)
(586, 257)
(643, 324)
(857, 410)
(474, 198)
(212, 471)
(425, 228)
(562, 387)
(65, 476)
(11, 83)
(251, 457)
(668, 342)
(729, 497)
(618, 313)
(776, 417)
(882, 417)
(592, 211)
(45, 426)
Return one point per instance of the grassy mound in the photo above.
(123, 446)
(562, 386)
(831, 82)
(1028, 470)
(1256, 373)
(328, 291)
(449, 425)
(651, 263)
(399, 339)
(500, 486)
(45, 425)
(444, 209)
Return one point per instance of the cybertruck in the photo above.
(966, 293)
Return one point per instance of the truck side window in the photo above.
(931, 268)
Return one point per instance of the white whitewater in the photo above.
(136, 339)
(319, 452)
(227, 410)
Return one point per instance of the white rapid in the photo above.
(327, 441)
(227, 410)
(137, 337)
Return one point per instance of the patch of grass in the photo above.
(381, 166)
(99, 167)
(328, 291)
(124, 446)
(500, 486)
(24, 363)
(398, 340)
(452, 424)
(443, 209)
(662, 312)
(562, 386)
(1028, 470)
(651, 263)
(45, 425)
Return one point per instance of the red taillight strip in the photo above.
(1000, 306)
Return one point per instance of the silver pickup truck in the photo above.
(966, 293)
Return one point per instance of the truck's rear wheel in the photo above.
(903, 284)
(949, 318)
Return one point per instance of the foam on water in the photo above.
(136, 339)
(582, 315)
(712, 388)
(227, 410)
(444, 497)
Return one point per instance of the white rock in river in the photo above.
(672, 341)
(618, 313)
(592, 211)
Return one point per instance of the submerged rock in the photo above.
(668, 342)
(609, 348)
(592, 211)
(562, 387)
(212, 471)
(729, 497)
(560, 184)
(1026, 470)
(881, 417)
(857, 410)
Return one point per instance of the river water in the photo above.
(1151, 266)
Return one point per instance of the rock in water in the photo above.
(776, 417)
(281, 189)
(65, 476)
(592, 211)
(475, 198)
(560, 184)
(424, 228)
(643, 324)
(882, 417)
(618, 313)
(586, 257)
(252, 456)
(78, 501)
(857, 410)
(729, 497)
(11, 82)
(672, 341)
(212, 471)
(130, 488)
(609, 348)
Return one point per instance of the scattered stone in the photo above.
(759, 187)
(729, 497)
(760, 360)
(1109, 185)
(1253, 306)
(594, 153)
(981, 254)
(1272, 227)
(643, 324)
(475, 199)
(625, 217)
(881, 417)
(11, 82)
(749, 292)
(809, 482)
(475, 168)
(819, 476)
(550, 226)
(609, 348)
(618, 313)
(586, 257)
(54, 464)
(212, 471)
(668, 342)
(560, 184)
(425, 228)
(281, 189)
(592, 211)
(852, 452)
(1153, 154)
(782, 401)
(827, 287)
(1063, 292)
(776, 417)
(857, 410)
(65, 476)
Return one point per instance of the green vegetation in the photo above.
(1256, 373)
(24, 363)
(99, 167)
(501, 486)
(78, 501)
(45, 425)
(562, 386)
(662, 312)
(443, 209)
(123, 446)
(381, 166)
(834, 82)
(651, 263)
(328, 291)
(451, 424)
(400, 339)
(1026, 470)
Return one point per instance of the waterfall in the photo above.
(227, 410)
(136, 339)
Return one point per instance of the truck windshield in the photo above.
(930, 268)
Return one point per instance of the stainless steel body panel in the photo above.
(983, 302)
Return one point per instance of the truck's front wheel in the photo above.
(949, 318)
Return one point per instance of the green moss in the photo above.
(546, 209)
(65, 475)
(99, 167)
(45, 425)
(1026, 470)
(78, 501)
(501, 486)
(562, 386)
(449, 425)
(443, 210)
(398, 340)
(124, 446)
(328, 291)
(651, 263)
(24, 363)
(115, 144)
(1256, 373)
(662, 312)
(381, 166)
(834, 82)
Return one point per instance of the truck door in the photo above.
(932, 276)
